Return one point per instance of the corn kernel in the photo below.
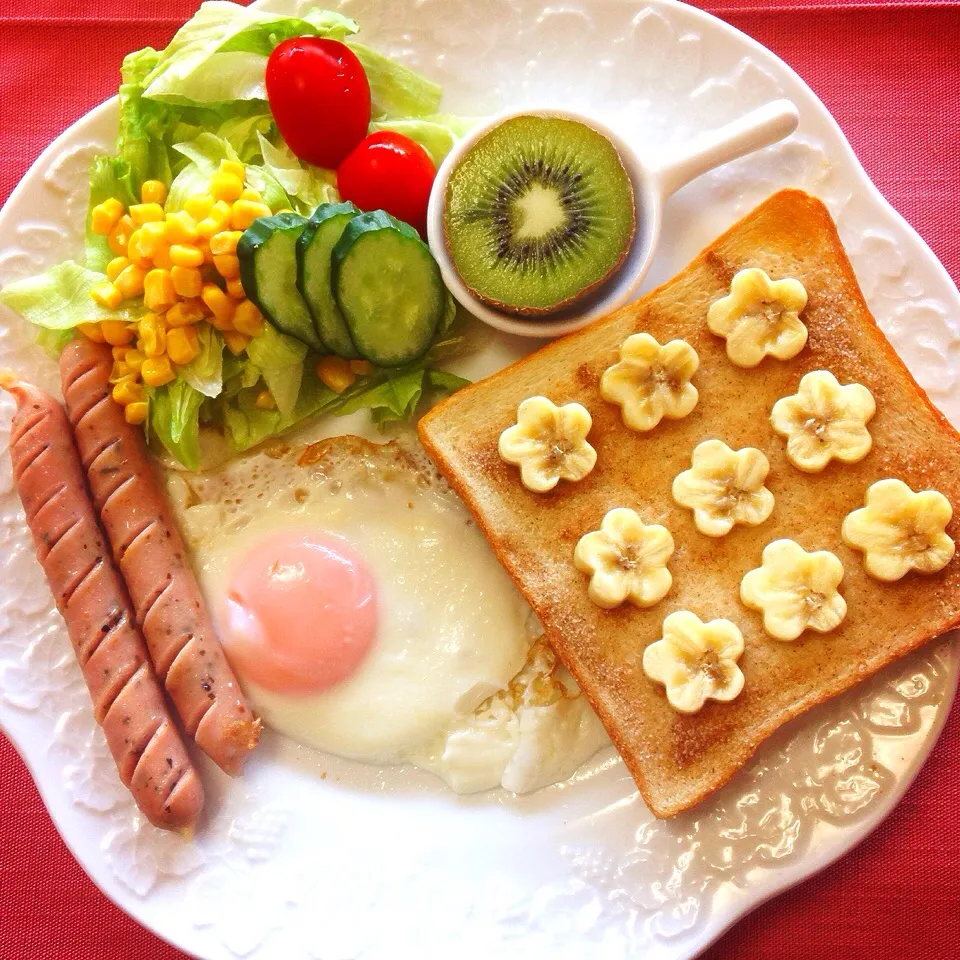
(183, 345)
(157, 371)
(181, 227)
(234, 168)
(216, 220)
(116, 266)
(162, 259)
(250, 194)
(361, 367)
(225, 186)
(265, 401)
(153, 335)
(220, 305)
(91, 331)
(203, 246)
(106, 294)
(134, 253)
(136, 413)
(199, 206)
(105, 216)
(335, 372)
(186, 255)
(119, 353)
(236, 342)
(184, 313)
(152, 236)
(225, 242)
(187, 281)
(227, 265)
(127, 390)
(117, 332)
(153, 191)
(130, 281)
(235, 288)
(245, 212)
(119, 371)
(158, 292)
(120, 236)
(248, 319)
(134, 360)
(142, 213)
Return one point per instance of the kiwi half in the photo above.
(539, 212)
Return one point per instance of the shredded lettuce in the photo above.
(60, 298)
(109, 177)
(307, 185)
(279, 359)
(175, 420)
(220, 54)
(205, 372)
(396, 90)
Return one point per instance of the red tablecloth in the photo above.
(890, 74)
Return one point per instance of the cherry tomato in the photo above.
(388, 171)
(320, 98)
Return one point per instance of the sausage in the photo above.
(128, 701)
(148, 549)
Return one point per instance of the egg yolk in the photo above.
(300, 612)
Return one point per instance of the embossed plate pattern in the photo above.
(374, 864)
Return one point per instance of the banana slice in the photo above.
(651, 382)
(760, 317)
(696, 661)
(626, 560)
(899, 530)
(825, 421)
(549, 443)
(795, 590)
(724, 487)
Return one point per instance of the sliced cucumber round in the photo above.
(314, 249)
(268, 268)
(388, 288)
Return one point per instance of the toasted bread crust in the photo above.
(678, 760)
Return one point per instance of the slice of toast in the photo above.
(678, 759)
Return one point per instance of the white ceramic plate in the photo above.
(385, 864)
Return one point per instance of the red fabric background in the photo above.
(890, 74)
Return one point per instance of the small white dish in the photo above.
(654, 180)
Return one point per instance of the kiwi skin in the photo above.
(534, 312)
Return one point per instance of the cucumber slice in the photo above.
(314, 248)
(268, 270)
(388, 288)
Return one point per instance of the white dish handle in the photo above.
(760, 128)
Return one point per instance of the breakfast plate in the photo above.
(313, 856)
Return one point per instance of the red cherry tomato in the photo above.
(320, 98)
(388, 171)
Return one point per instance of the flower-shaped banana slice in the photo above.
(549, 443)
(626, 560)
(825, 421)
(795, 590)
(696, 661)
(651, 382)
(899, 530)
(724, 487)
(760, 316)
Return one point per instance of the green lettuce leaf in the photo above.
(221, 53)
(279, 359)
(53, 341)
(396, 90)
(205, 372)
(175, 420)
(59, 299)
(109, 177)
(309, 186)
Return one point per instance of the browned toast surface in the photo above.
(676, 759)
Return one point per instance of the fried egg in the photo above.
(366, 616)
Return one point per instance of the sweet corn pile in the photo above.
(184, 265)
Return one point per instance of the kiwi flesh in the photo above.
(539, 213)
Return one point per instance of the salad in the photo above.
(254, 250)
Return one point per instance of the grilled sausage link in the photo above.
(128, 700)
(150, 553)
